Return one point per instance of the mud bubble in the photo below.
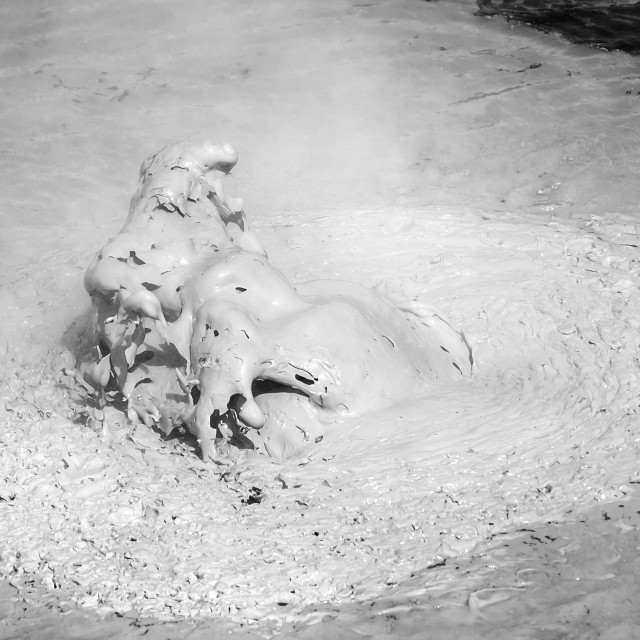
(196, 329)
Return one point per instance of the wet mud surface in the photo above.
(577, 579)
(470, 166)
(600, 24)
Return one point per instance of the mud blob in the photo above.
(196, 328)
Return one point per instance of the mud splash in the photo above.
(192, 318)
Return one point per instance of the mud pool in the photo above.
(469, 165)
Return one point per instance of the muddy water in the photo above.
(472, 165)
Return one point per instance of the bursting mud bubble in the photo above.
(188, 306)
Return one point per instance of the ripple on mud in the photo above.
(125, 520)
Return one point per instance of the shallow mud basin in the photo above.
(468, 166)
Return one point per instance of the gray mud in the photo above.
(470, 166)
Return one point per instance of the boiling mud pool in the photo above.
(473, 165)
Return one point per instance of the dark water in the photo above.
(593, 22)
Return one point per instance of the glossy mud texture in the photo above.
(476, 166)
(191, 318)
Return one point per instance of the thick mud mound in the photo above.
(196, 328)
